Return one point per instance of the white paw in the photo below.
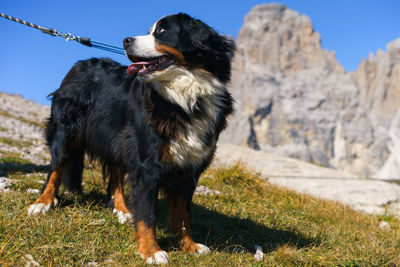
(259, 255)
(202, 250)
(38, 208)
(122, 216)
(160, 257)
(35, 209)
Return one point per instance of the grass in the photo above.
(12, 163)
(15, 143)
(8, 115)
(293, 229)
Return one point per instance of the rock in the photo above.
(33, 191)
(390, 169)
(379, 82)
(30, 262)
(295, 99)
(5, 183)
(22, 128)
(384, 225)
(361, 194)
(204, 190)
(31, 111)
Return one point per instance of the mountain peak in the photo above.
(284, 39)
(296, 100)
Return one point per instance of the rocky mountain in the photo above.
(378, 80)
(295, 99)
(22, 150)
(22, 129)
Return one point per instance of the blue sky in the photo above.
(33, 64)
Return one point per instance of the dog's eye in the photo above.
(160, 30)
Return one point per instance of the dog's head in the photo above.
(177, 42)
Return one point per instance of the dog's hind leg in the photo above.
(72, 171)
(116, 191)
(62, 156)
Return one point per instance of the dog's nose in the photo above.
(127, 42)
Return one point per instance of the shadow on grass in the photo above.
(225, 233)
(93, 197)
(218, 231)
(13, 166)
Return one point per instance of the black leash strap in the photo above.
(68, 36)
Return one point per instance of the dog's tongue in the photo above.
(136, 67)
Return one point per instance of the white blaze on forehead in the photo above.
(144, 45)
(153, 28)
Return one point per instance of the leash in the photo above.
(68, 36)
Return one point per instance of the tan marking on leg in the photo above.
(180, 224)
(117, 191)
(146, 240)
(119, 201)
(48, 197)
(49, 193)
(116, 186)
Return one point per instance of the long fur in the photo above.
(160, 129)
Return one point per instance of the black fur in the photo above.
(125, 124)
(198, 43)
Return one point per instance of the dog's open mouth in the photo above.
(143, 65)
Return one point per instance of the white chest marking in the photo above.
(184, 88)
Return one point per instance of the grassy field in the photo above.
(293, 229)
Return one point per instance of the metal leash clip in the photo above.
(68, 36)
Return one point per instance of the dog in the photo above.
(154, 124)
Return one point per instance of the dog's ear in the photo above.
(228, 45)
(194, 33)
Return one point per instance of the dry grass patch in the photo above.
(293, 229)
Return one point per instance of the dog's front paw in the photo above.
(195, 248)
(201, 249)
(159, 257)
(123, 217)
(41, 208)
(38, 208)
